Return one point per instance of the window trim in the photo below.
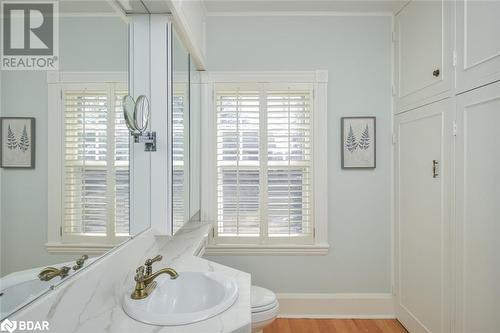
(56, 241)
(319, 80)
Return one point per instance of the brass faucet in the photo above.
(145, 282)
(51, 272)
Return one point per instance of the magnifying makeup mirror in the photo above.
(137, 115)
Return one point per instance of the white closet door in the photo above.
(424, 53)
(478, 43)
(478, 211)
(422, 233)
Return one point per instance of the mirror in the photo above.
(180, 134)
(186, 105)
(194, 142)
(65, 176)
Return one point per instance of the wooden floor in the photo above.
(335, 326)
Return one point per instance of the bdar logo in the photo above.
(8, 326)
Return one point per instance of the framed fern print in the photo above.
(17, 146)
(358, 139)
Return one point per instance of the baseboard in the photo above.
(340, 306)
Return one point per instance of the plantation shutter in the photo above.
(263, 164)
(289, 163)
(238, 179)
(96, 163)
(178, 157)
(122, 173)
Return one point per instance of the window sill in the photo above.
(223, 249)
(66, 248)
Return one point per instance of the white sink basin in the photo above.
(192, 297)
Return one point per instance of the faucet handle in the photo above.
(80, 262)
(64, 271)
(139, 276)
(149, 264)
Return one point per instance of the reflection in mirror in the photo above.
(180, 135)
(186, 154)
(194, 142)
(75, 202)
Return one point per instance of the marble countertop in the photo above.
(92, 301)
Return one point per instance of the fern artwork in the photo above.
(358, 142)
(17, 142)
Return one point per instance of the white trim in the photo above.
(160, 167)
(139, 70)
(392, 151)
(318, 76)
(90, 14)
(78, 248)
(297, 13)
(336, 305)
(118, 10)
(54, 77)
(182, 18)
(222, 249)
(320, 163)
(208, 149)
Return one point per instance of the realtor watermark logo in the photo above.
(24, 326)
(30, 35)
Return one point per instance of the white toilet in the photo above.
(265, 308)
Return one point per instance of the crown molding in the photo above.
(298, 13)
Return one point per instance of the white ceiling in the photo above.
(363, 6)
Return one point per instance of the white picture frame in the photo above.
(359, 142)
(17, 142)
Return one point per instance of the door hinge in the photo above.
(454, 58)
(394, 139)
(213, 232)
(393, 88)
(314, 232)
(455, 130)
(60, 94)
(394, 37)
(60, 230)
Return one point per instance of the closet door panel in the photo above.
(422, 218)
(478, 210)
(478, 43)
(424, 52)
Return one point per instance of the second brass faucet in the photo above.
(145, 281)
(51, 272)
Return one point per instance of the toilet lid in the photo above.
(262, 299)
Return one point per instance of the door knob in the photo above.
(436, 72)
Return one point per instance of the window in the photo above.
(264, 163)
(92, 169)
(180, 156)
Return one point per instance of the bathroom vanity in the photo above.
(93, 300)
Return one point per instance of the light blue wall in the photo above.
(86, 44)
(356, 51)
